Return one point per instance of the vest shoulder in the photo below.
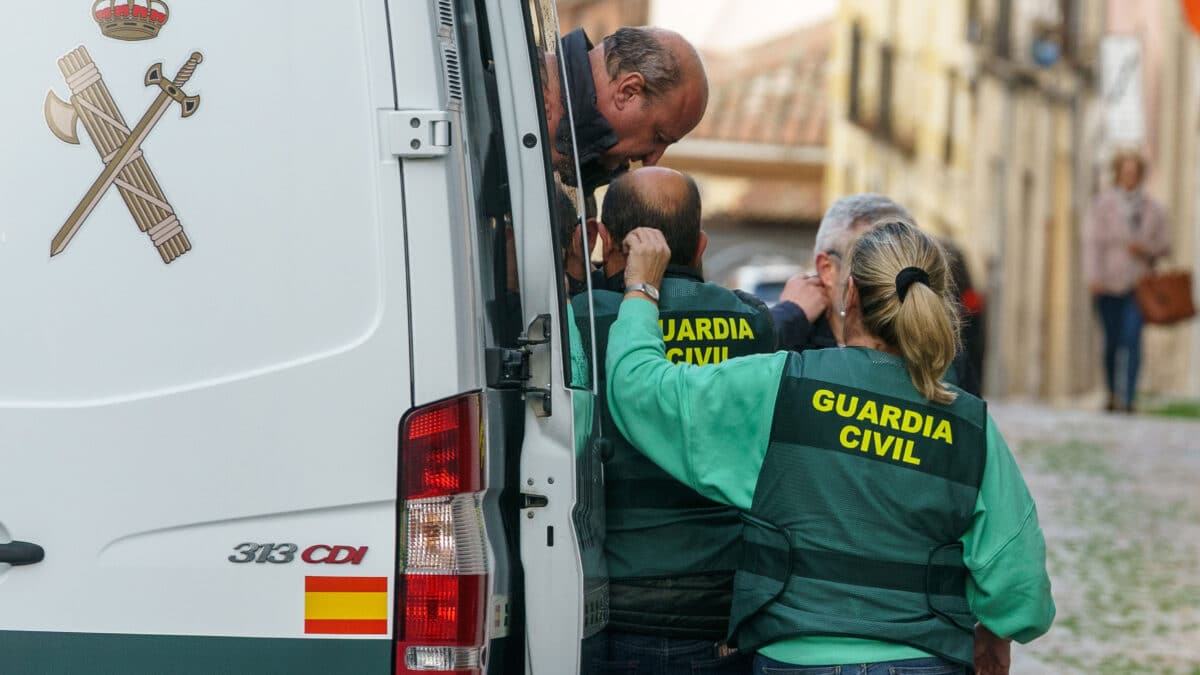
(967, 404)
(604, 302)
(849, 364)
(709, 295)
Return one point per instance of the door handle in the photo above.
(21, 553)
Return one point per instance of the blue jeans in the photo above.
(636, 654)
(927, 666)
(1122, 322)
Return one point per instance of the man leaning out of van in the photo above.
(633, 95)
(637, 92)
(671, 553)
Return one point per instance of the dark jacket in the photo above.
(796, 333)
(593, 134)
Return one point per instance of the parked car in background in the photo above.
(765, 279)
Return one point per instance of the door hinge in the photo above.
(413, 134)
(508, 368)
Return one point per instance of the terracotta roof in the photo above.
(773, 93)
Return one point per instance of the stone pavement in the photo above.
(1119, 500)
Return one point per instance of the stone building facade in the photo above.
(984, 117)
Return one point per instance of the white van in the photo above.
(283, 384)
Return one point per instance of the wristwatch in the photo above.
(649, 290)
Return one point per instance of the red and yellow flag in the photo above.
(346, 605)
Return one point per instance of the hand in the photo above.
(808, 293)
(646, 257)
(1138, 250)
(993, 654)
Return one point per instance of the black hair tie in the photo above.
(907, 277)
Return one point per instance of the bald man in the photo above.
(637, 92)
(671, 553)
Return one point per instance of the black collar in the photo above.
(593, 134)
(822, 334)
(684, 272)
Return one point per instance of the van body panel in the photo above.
(192, 442)
(444, 305)
(155, 418)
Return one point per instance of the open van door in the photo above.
(562, 523)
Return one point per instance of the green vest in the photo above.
(671, 552)
(863, 495)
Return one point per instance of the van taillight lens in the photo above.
(443, 584)
(442, 450)
(444, 609)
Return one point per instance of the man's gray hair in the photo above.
(860, 210)
(639, 50)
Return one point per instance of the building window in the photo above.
(1070, 12)
(951, 100)
(1002, 38)
(974, 22)
(886, 56)
(854, 113)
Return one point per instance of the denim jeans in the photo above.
(1122, 323)
(926, 666)
(635, 654)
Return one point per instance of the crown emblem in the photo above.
(130, 19)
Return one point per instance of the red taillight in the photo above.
(441, 453)
(444, 609)
(443, 583)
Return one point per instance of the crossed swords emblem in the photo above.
(120, 148)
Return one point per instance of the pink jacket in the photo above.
(1107, 233)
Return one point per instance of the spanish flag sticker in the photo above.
(346, 605)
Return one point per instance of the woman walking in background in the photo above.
(1125, 232)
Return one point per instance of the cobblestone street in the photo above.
(1119, 501)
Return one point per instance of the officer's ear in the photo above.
(606, 239)
(827, 269)
(593, 232)
(703, 244)
(628, 89)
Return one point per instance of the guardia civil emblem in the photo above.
(130, 20)
(120, 147)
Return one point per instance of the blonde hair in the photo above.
(923, 325)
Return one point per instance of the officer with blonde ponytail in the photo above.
(886, 526)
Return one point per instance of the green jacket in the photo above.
(671, 552)
(711, 427)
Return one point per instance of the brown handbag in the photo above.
(1165, 297)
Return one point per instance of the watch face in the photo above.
(648, 290)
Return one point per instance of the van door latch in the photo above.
(416, 134)
(508, 368)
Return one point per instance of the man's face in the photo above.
(645, 127)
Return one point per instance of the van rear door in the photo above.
(200, 389)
